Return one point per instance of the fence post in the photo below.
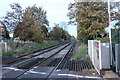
(6, 47)
(90, 49)
(111, 52)
(0, 60)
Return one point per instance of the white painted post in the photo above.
(90, 48)
(96, 55)
(111, 54)
(100, 55)
(5, 47)
(93, 52)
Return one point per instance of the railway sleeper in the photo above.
(30, 64)
(11, 60)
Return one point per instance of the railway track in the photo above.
(38, 60)
(51, 65)
(12, 60)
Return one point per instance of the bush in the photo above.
(103, 40)
(82, 52)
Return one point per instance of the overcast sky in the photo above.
(56, 10)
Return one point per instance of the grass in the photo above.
(28, 48)
(81, 52)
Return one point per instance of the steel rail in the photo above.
(29, 59)
(37, 52)
(43, 60)
(64, 57)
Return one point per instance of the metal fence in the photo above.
(117, 56)
(4, 47)
(115, 39)
(115, 36)
(11, 45)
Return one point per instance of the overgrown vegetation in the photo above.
(81, 53)
(58, 33)
(115, 36)
(28, 48)
(103, 39)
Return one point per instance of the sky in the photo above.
(56, 10)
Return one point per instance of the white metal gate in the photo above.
(99, 54)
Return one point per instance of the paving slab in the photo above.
(110, 74)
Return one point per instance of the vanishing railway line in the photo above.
(50, 63)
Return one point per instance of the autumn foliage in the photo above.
(91, 19)
(31, 24)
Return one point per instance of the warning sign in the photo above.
(97, 44)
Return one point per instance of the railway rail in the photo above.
(38, 59)
(52, 64)
(9, 60)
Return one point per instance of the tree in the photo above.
(33, 26)
(115, 15)
(67, 36)
(13, 18)
(57, 33)
(6, 33)
(90, 18)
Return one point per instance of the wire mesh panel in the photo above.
(115, 38)
(117, 54)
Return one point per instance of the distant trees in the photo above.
(57, 33)
(91, 19)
